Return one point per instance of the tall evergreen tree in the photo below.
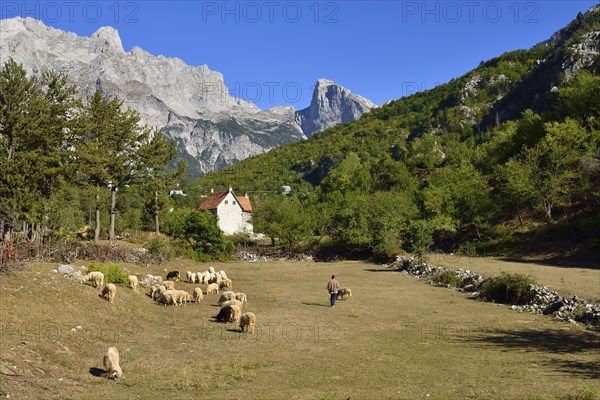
(109, 150)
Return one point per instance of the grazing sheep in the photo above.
(198, 295)
(224, 314)
(248, 321)
(173, 275)
(232, 302)
(211, 270)
(156, 291)
(226, 284)
(168, 297)
(242, 297)
(192, 278)
(343, 293)
(237, 312)
(223, 274)
(230, 313)
(188, 275)
(183, 296)
(96, 277)
(205, 278)
(198, 277)
(133, 282)
(170, 285)
(109, 292)
(225, 296)
(212, 288)
(111, 363)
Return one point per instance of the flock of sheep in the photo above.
(165, 293)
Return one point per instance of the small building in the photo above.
(233, 212)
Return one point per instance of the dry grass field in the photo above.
(397, 338)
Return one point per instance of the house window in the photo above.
(226, 202)
(234, 202)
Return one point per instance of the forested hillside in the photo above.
(509, 149)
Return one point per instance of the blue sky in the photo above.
(272, 52)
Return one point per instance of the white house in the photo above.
(233, 212)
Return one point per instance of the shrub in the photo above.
(160, 248)
(112, 272)
(506, 288)
(448, 278)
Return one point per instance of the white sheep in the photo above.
(170, 285)
(169, 297)
(198, 295)
(96, 277)
(226, 284)
(109, 292)
(212, 288)
(223, 274)
(111, 363)
(248, 321)
(192, 278)
(237, 312)
(156, 291)
(343, 293)
(225, 296)
(188, 275)
(183, 296)
(229, 314)
(133, 282)
(232, 302)
(198, 277)
(242, 297)
(211, 270)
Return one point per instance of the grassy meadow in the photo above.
(396, 338)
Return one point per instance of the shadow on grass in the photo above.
(552, 342)
(559, 261)
(97, 372)
(546, 341)
(315, 304)
(380, 270)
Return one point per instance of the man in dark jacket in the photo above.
(332, 286)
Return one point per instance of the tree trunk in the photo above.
(113, 204)
(156, 217)
(97, 230)
(548, 212)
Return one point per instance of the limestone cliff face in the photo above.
(191, 105)
(331, 104)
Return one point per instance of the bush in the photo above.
(447, 278)
(160, 248)
(506, 288)
(112, 272)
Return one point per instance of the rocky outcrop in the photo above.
(539, 299)
(330, 105)
(191, 105)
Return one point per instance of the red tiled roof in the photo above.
(245, 203)
(212, 200)
(215, 198)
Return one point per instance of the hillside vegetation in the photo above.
(507, 152)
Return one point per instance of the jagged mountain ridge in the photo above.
(191, 105)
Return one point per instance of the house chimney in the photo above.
(212, 190)
(230, 189)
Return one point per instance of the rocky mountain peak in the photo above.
(189, 104)
(330, 105)
(109, 37)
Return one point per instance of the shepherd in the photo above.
(333, 286)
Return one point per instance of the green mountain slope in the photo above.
(448, 151)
